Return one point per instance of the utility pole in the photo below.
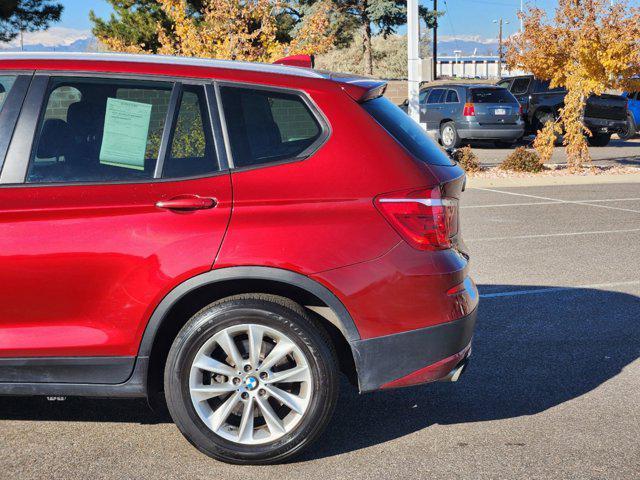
(413, 58)
(521, 13)
(434, 75)
(500, 52)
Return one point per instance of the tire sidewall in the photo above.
(207, 323)
(456, 140)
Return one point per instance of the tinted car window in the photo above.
(491, 95)
(520, 85)
(504, 84)
(99, 130)
(6, 82)
(452, 96)
(267, 126)
(436, 96)
(192, 150)
(406, 132)
(542, 86)
(423, 95)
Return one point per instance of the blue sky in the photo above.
(462, 17)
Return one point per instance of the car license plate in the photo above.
(500, 111)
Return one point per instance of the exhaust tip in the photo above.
(455, 374)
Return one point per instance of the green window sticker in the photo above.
(126, 128)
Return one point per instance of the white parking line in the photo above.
(557, 200)
(560, 202)
(535, 291)
(543, 235)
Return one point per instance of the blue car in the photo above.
(633, 122)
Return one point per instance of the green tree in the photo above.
(18, 16)
(135, 22)
(380, 17)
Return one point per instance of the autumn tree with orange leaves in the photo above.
(232, 29)
(589, 47)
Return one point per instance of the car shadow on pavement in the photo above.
(531, 352)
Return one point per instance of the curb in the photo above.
(542, 181)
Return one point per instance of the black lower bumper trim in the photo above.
(383, 359)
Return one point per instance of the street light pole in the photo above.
(500, 52)
(413, 57)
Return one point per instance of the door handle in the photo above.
(187, 202)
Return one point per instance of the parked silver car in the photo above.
(456, 112)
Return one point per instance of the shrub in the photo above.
(522, 160)
(467, 159)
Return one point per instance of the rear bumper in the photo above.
(508, 133)
(414, 357)
(603, 125)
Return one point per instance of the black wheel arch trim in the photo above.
(345, 322)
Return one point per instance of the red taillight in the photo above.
(520, 111)
(425, 219)
(469, 110)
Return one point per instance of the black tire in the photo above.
(455, 139)
(542, 118)
(599, 139)
(630, 131)
(274, 312)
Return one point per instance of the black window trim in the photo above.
(10, 110)
(20, 148)
(447, 96)
(513, 83)
(325, 126)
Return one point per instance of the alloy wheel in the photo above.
(250, 384)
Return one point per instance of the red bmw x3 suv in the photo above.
(229, 235)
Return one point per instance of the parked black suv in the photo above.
(604, 114)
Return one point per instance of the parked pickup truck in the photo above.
(604, 114)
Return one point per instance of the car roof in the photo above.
(359, 88)
(164, 60)
(461, 85)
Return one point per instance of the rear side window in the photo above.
(437, 96)
(491, 95)
(192, 150)
(452, 96)
(268, 126)
(6, 82)
(110, 130)
(520, 85)
(406, 132)
(99, 130)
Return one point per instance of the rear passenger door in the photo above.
(113, 190)
(433, 108)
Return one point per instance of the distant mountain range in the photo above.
(68, 40)
(80, 45)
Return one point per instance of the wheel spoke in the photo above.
(255, 344)
(205, 392)
(229, 346)
(281, 350)
(272, 420)
(219, 416)
(211, 365)
(294, 402)
(295, 374)
(245, 433)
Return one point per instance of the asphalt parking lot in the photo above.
(618, 152)
(552, 390)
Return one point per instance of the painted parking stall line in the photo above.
(553, 202)
(557, 200)
(544, 235)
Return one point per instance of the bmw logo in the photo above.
(251, 383)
